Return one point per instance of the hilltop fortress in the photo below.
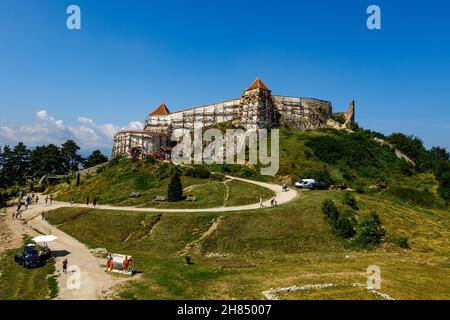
(255, 108)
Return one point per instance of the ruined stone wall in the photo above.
(303, 113)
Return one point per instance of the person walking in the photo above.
(94, 201)
(43, 215)
(87, 202)
(51, 199)
(37, 199)
(261, 202)
(71, 202)
(65, 262)
(46, 200)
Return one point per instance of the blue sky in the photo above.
(132, 55)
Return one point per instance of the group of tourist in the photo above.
(273, 202)
(29, 199)
(94, 201)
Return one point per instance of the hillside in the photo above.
(239, 255)
(246, 253)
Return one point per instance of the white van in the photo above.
(306, 184)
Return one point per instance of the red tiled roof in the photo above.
(258, 84)
(162, 110)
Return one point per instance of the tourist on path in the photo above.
(65, 266)
(94, 201)
(261, 202)
(87, 201)
(46, 200)
(51, 199)
(71, 202)
(43, 215)
(37, 199)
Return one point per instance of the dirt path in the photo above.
(94, 282)
(280, 196)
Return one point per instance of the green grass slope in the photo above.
(239, 255)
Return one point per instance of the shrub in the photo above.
(330, 211)
(345, 225)
(369, 230)
(150, 160)
(199, 171)
(402, 242)
(350, 200)
(175, 190)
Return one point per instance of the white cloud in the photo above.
(46, 129)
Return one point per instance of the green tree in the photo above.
(175, 190)
(46, 160)
(95, 158)
(7, 173)
(70, 157)
(21, 163)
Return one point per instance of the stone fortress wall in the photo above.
(256, 108)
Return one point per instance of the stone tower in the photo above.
(257, 109)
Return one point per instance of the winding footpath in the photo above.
(95, 282)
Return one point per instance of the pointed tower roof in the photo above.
(257, 84)
(162, 110)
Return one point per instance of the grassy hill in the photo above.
(241, 254)
(114, 183)
(251, 251)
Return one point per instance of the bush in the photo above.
(330, 211)
(150, 160)
(341, 224)
(345, 225)
(175, 190)
(369, 230)
(402, 242)
(350, 201)
(199, 171)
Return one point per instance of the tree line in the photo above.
(20, 164)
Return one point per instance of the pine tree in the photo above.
(175, 190)
(21, 163)
(70, 157)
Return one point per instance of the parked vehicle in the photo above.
(305, 184)
(32, 255)
(29, 258)
(310, 184)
